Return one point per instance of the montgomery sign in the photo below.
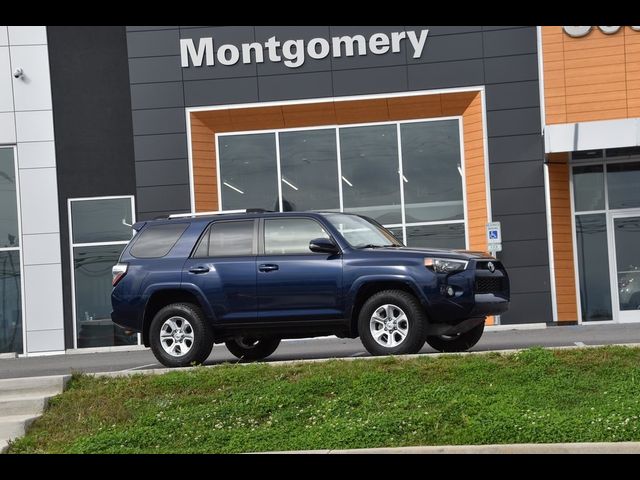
(294, 52)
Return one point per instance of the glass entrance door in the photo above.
(625, 264)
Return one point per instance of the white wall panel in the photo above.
(33, 90)
(39, 198)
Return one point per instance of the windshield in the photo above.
(362, 233)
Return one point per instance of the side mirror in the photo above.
(323, 245)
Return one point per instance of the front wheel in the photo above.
(459, 342)
(392, 322)
(180, 336)
(247, 348)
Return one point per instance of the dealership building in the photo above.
(434, 131)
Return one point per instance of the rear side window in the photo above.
(157, 240)
(227, 239)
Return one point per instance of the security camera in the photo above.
(18, 73)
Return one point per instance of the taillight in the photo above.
(118, 271)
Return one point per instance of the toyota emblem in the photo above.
(491, 267)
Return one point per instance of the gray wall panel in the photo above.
(447, 30)
(446, 48)
(499, 27)
(369, 80)
(517, 174)
(153, 43)
(514, 201)
(155, 69)
(303, 85)
(529, 279)
(502, 96)
(146, 27)
(445, 74)
(223, 91)
(172, 198)
(157, 147)
(521, 121)
(166, 120)
(531, 226)
(519, 148)
(263, 33)
(162, 172)
(528, 308)
(157, 95)
(525, 253)
(510, 42)
(516, 68)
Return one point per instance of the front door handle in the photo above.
(199, 269)
(268, 267)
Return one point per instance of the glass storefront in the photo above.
(606, 203)
(10, 281)
(406, 175)
(100, 229)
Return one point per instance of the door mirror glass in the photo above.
(323, 245)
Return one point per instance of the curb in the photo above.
(517, 448)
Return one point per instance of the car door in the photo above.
(223, 268)
(295, 283)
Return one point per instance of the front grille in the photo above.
(489, 284)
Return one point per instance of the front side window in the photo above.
(291, 236)
(359, 232)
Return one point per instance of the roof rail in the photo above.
(203, 214)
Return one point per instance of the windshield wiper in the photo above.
(371, 245)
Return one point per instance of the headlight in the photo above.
(445, 265)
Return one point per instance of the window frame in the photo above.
(207, 232)
(262, 237)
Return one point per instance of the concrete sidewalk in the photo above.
(519, 448)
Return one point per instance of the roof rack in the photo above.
(226, 212)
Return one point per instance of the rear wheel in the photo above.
(392, 322)
(459, 342)
(180, 336)
(251, 348)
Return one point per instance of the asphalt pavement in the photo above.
(328, 347)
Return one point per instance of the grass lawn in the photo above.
(536, 395)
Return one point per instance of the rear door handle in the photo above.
(199, 269)
(268, 267)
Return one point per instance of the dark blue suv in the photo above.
(251, 279)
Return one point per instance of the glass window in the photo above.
(8, 200)
(397, 232)
(92, 272)
(309, 169)
(10, 303)
(627, 238)
(432, 171)
(107, 220)
(156, 241)
(593, 267)
(622, 184)
(358, 231)
(370, 179)
(588, 188)
(290, 236)
(248, 171)
(436, 236)
(228, 239)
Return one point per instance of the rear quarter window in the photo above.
(157, 240)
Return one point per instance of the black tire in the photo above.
(201, 345)
(415, 323)
(456, 343)
(246, 348)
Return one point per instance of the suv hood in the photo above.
(434, 252)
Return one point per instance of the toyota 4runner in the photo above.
(250, 279)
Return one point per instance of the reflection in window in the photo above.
(622, 185)
(588, 188)
(92, 271)
(436, 236)
(309, 169)
(432, 171)
(8, 200)
(10, 302)
(248, 171)
(593, 267)
(627, 238)
(371, 183)
(101, 220)
(290, 236)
